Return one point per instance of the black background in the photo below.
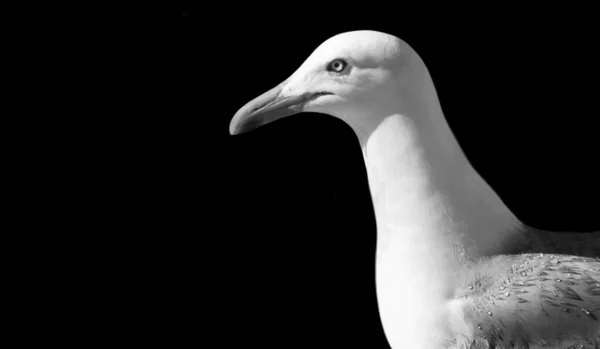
(267, 239)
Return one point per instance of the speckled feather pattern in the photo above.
(531, 301)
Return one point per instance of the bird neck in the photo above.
(433, 213)
(420, 177)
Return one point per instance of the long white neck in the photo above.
(433, 213)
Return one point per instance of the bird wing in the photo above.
(530, 240)
(534, 300)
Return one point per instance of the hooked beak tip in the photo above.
(264, 109)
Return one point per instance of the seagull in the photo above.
(454, 267)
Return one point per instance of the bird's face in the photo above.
(349, 76)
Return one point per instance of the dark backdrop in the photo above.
(267, 239)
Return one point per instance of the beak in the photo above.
(268, 107)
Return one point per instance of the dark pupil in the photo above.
(336, 66)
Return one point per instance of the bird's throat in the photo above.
(424, 184)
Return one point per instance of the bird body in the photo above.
(454, 267)
(530, 301)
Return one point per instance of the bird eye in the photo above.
(337, 65)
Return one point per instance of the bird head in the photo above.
(358, 76)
